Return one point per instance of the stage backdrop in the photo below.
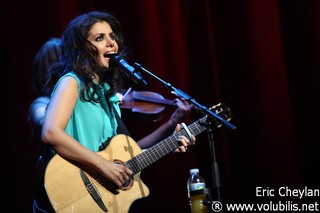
(259, 57)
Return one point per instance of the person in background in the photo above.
(84, 112)
(48, 54)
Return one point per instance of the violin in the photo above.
(144, 105)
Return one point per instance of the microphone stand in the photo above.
(188, 98)
(215, 173)
(214, 164)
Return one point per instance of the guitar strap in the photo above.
(122, 129)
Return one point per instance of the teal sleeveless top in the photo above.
(89, 123)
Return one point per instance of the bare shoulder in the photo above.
(41, 100)
(37, 110)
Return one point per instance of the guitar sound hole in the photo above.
(127, 185)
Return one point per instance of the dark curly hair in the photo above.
(48, 54)
(80, 56)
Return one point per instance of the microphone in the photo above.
(117, 60)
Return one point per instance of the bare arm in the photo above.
(167, 129)
(36, 115)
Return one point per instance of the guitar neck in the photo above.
(164, 147)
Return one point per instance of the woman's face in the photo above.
(103, 38)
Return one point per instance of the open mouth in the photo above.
(110, 54)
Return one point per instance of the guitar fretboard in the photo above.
(164, 147)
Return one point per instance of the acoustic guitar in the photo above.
(71, 189)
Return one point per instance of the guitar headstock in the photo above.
(223, 110)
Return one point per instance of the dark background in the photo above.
(259, 57)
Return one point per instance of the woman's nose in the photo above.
(110, 43)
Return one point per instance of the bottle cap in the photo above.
(194, 171)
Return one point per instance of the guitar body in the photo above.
(67, 190)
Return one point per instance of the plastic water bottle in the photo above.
(196, 192)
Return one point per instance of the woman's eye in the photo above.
(99, 38)
(112, 36)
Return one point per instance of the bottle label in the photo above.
(197, 186)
